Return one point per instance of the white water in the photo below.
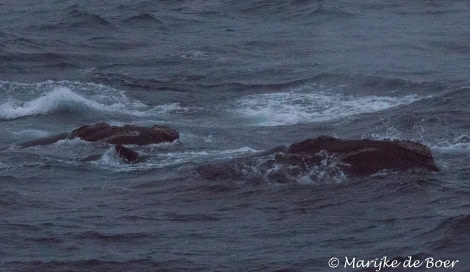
(24, 100)
(158, 159)
(299, 106)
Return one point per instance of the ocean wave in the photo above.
(61, 98)
(49, 97)
(305, 105)
(110, 237)
(144, 19)
(292, 10)
(78, 17)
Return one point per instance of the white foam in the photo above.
(299, 106)
(268, 169)
(110, 159)
(240, 150)
(167, 109)
(328, 171)
(32, 133)
(194, 55)
(460, 144)
(58, 98)
(156, 160)
(174, 158)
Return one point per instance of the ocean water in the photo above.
(234, 78)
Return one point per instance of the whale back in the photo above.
(128, 134)
(369, 156)
(128, 155)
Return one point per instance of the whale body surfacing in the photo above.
(350, 157)
(366, 156)
(354, 157)
(127, 134)
(103, 132)
(119, 136)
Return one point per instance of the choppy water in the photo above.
(234, 78)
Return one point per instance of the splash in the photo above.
(327, 171)
(277, 168)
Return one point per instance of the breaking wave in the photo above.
(48, 97)
(303, 106)
(57, 99)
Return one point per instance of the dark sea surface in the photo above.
(234, 78)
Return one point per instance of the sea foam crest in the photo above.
(35, 99)
(299, 106)
(59, 98)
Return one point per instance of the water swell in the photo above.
(450, 233)
(292, 10)
(77, 17)
(144, 19)
(111, 237)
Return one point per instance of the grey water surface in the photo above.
(234, 78)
